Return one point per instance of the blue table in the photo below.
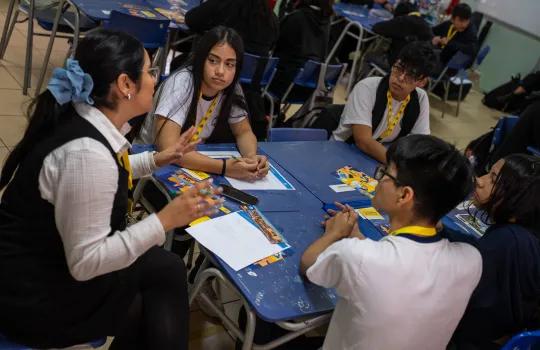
(317, 172)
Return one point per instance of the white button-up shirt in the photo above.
(80, 179)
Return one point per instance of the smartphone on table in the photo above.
(238, 195)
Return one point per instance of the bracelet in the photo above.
(223, 167)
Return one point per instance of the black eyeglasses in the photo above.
(408, 77)
(380, 172)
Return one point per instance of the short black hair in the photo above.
(516, 192)
(439, 174)
(404, 8)
(462, 11)
(418, 59)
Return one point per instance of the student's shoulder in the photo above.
(422, 95)
(367, 84)
(507, 237)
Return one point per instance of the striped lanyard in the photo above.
(451, 33)
(393, 120)
(419, 231)
(123, 159)
(204, 120)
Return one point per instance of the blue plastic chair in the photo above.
(151, 32)
(296, 134)
(534, 151)
(503, 128)
(482, 55)
(459, 62)
(308, 76)
(8, 345)
(249, 67)
(524, 341)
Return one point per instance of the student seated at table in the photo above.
(456, 34)
(410, 289)
(507, 299)
(205, 93)
(406, 26)
(304, 35)
(381, 110)
(72, 271)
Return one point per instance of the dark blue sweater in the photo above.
(507, 298)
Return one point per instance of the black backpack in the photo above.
(499, 97)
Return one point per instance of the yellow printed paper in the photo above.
(358, 180)
(199, 175)
(199, 220)
(370, 213)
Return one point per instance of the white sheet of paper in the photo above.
(271, 181)
(341, 188)
(221, 154)
(234, 239)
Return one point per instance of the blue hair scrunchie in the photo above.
(71, 84)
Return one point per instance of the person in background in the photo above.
(507, 299)
(381, 110)
(456, 34)
(304, 35)
(72, 270)
(410, 289)
(258, 27)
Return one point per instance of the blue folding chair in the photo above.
(482, 55)
(534, 151)
(5, 344)
(71, 25)
(313, 75)
(249, 68)
(503, 128)
(459, 62)
(296, 134)
(524, 341)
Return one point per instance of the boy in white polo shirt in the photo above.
(381, 110)
(410, 289)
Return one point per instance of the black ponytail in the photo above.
(104, 54)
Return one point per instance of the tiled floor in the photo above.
(474, 119)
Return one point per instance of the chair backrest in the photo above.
(459, 61)
(482, 54)
(296, 134)
(151, 32)
(534, 151)
(249, 67)
(524, 341)
(308, 76)
(503, 127)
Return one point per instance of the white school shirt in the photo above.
(174, 101)
(359, 108)
(80, 179)
(396, 294)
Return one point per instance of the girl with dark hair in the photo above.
(205, 93)
(507, 299)
(72, 271)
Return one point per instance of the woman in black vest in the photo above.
(71, 271)
(205, 93)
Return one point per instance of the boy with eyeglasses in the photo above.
(410, 289)
(381, 110)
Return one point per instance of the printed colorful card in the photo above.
(174, 16)
(380, 221)
(358, 180)
(468, 218)
(140, 11)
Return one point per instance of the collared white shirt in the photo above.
(80, 179)
(396, 293)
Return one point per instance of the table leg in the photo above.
(6, 33)
(29, 49)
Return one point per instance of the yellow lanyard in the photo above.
(419, 231)
(204, 120)
(451, 33)
(123, 159)
(393, 119)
